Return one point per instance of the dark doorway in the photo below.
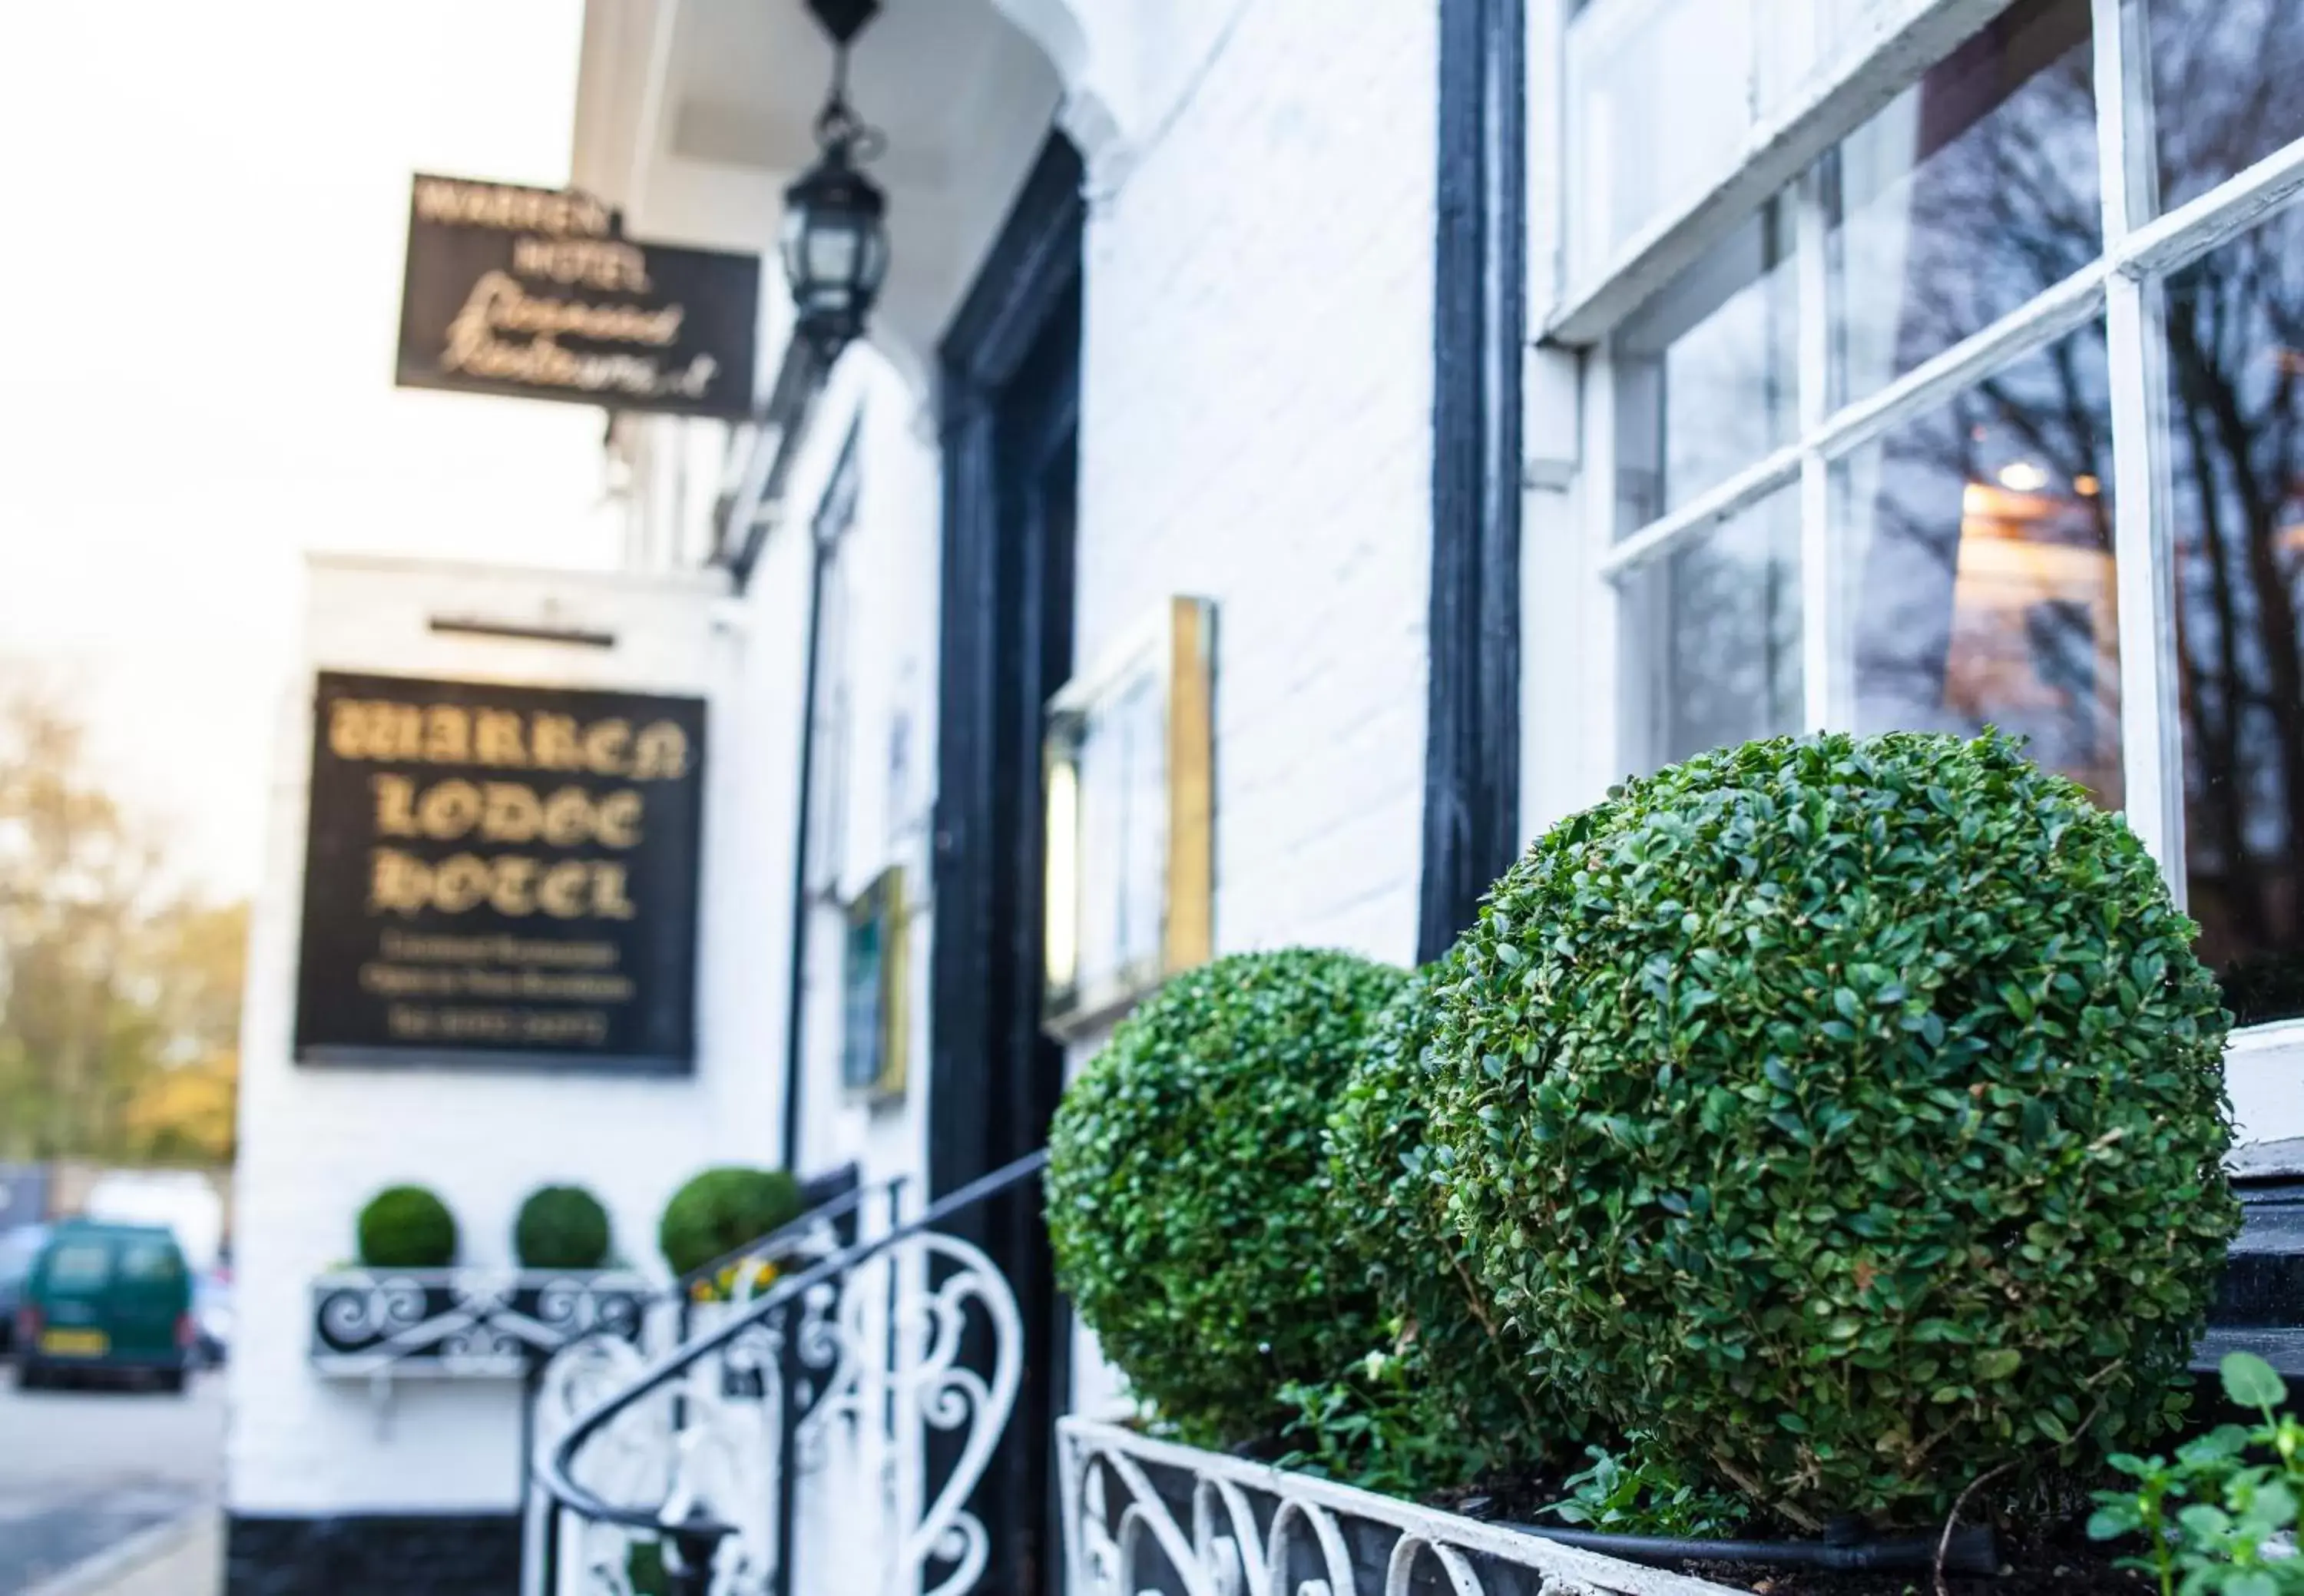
(1010, 377)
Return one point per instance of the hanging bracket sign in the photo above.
(499, 875)
(536, 294)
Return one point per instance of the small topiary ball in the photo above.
(720, 1211)
(407, 1228)
(560, 1227)
(1471, 1390)
(1186, 1189)
(1846, 1112)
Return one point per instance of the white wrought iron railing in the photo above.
(1147, 1515)
(687, 1471)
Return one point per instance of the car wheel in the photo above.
(30, 1376)
(172, 1383)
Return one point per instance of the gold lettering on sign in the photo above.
(462, 882)
(498, 305)
(616, 267)
(509, 209)
(513, 884)
(359, 730)
(448, 810)
(496, 738)
(660, 753)
(396, 805)
(507, 811)
(448, 736)
(563, 892)
(609, 901)
(616, 822)
(514, 891)
(511, 813)
(556, 744)
(605, 742)
(567, 817)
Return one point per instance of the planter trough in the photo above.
(1147, 1516)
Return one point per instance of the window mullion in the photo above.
(1823, 664)
(1609, 743)
(2151, 722)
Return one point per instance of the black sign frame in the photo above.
(576, 950)
(536, 294)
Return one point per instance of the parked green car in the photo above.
(108, 1300)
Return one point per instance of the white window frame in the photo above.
(1576, 559)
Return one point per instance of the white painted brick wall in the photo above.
(1256, 429)
(317, 1143)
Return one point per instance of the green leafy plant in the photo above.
(560, 1227)
(1463, 1372)
(1187, 1194)
(1640, 1495)
(645, 1573)
(1847, 1112)
(1376, 1427)
(722, 1210)
(2208, 1517)
(406, 1227)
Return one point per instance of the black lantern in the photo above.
(835, 236)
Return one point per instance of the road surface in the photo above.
(82, 1471)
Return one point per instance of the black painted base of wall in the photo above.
(473, 1554)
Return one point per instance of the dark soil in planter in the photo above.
(2059, 1561)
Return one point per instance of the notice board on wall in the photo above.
(500, 876)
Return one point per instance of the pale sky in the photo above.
(200, 250)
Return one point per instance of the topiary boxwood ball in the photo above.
(1846, 1112)
(560, 1227)
(1473, 1394)
(720, 1211)
(1187, 1190)
(406, 1227)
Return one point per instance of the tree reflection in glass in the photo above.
(1717, 626)
(2236, 423)
(1973, 192)
(1977, 546)
(2226, 76)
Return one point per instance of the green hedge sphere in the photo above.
(1186, 1189)
(1847, 1112)
(407, 1228)
(1472, 1390)
(720, 1211)
(560, 1227)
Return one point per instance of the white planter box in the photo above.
(1147, 1516)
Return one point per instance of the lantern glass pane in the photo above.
(832, 249)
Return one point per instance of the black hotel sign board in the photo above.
(534, 292)
(500, 876)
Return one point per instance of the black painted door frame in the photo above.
(1472, 752)
(1008, 404)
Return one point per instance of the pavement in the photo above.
(110, 1491)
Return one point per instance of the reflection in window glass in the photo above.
(1977, 543)
(1633, 159)
(2236, 422)
(1706, 374)
(1124, 808)
(1972, 193)
(1714, 631)
(2226, 76)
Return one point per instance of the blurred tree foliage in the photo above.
(119, 999)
